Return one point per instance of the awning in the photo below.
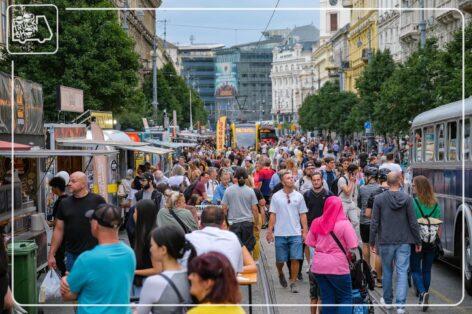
(17, 147)
(148, 149)
(82, 142)
(44, 153)
(170, 144)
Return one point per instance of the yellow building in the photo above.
(362, 39)
(322, 61)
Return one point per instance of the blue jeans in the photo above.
(335, 289)
(70, 260)
(420, 266)
(288, 248)
(400, 254)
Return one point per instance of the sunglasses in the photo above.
(288, 198)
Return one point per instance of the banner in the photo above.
(103, 119)
(226, 79)
(28, 106)
(69, 99)
(220, 133)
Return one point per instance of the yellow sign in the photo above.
(220, 133)
(279, 126)
(293, 127)
(103, 119)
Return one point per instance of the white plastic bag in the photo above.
(50, 290)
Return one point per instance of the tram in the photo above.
(441, 151)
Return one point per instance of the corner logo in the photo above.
(33, 29)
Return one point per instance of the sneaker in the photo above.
(293, 288)
(385, 305)
(425, 300)
(282, 280)
(401, 311)
(300, 277)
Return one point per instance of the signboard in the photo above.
(70, 99)
(145, 124)
(220, 133)
(226, 80)
(103, 119)
(28, 107)
(100, 165)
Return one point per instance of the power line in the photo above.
(214, 27)
(268, 23)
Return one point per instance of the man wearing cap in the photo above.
(104, 274)
(71, 225)
(240, 204)
(148, 191)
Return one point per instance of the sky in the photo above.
(218, 27)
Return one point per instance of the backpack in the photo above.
(428, 229)
(334, 186)
(189, 191)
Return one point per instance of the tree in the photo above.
(369, 85)
(410, 90)
(95, 54)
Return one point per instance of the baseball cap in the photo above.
(309, 164)
(106, 215)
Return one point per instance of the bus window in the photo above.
(467, 139)
(418, 145)
(440, 147)
(429, 143)
(452, 140)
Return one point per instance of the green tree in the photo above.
(410, 90)
(369, 85)
(95, 54)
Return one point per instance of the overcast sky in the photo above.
(218, 27)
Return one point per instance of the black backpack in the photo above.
(334, 186)
(189, 191)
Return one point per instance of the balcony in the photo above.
(466, 6)
(347, 3)
(448, 16)
(409, 32)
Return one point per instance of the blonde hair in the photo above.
(424, 190)
(250, 181)
(173, 198)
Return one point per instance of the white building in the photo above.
(332, 18)
(399, 31)
(292, 72)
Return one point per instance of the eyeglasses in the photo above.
(288, 198)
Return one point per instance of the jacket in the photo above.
(394, 220)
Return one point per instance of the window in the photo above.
(467, 139)
(440, 147)
(333, 22)
(418, 145)
(429, 143)
(452, 140)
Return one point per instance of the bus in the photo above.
(265, 133)
(441, 150)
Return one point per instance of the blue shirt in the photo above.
(274, 181)
(103, 275)
(219, 192)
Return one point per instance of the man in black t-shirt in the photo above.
(72, 227)
(58, 187)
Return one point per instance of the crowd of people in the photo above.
(190, 234)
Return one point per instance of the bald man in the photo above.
(72, 226)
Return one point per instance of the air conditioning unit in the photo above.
(366, 53)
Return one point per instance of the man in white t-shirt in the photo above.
(390, 164)
(213, 238)
(347, 190)
(288, 225)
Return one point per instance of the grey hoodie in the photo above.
(394, 220)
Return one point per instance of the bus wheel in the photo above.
(468, 262)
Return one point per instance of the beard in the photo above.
(147, 186)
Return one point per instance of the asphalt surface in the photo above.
(445, 291)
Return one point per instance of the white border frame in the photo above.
(272, 9)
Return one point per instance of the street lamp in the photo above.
(154, 69)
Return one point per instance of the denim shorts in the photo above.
(288, 248)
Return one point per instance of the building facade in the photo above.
(332, 18)
(197, 66)
(340, 43)
(243, 87)
(388, 28)
(362, 39)
(292, 73)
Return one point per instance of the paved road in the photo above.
(445, 289)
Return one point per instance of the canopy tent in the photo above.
(16, 146)
(148, 149)
(81, 142)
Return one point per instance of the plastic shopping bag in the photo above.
(50, 290)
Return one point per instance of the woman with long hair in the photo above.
(292, 166)
(425, 204)
(213, 281)
(145, 217)
(330, 264)
(170, 286)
